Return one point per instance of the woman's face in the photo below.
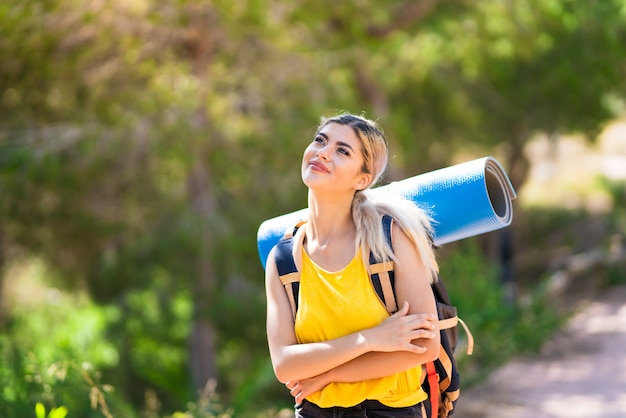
(334, 160)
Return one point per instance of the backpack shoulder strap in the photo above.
(288, 257)
(381, 271)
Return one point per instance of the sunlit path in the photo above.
(580, 373)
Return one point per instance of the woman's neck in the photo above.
(330, 217)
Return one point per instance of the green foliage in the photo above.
(52, 348)
(616, 223)
(501, 330)
(207, 405)
(561, 224)
(154, 326)
(617, 191)
(40, 411)
(142, 144)
(614, 274)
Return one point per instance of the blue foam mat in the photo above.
(464, 200)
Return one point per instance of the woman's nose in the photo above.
(323, 153)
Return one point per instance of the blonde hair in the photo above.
(368, 208)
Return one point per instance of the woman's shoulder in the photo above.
(270, 264)
(398, 235)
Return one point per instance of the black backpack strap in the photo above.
(381, 272)
(287, 270)
(449, 319)
(443, 382)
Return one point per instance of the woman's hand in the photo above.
(398, 332)
(300, 389)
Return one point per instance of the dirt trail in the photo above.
(580, 373)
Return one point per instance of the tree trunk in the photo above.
(202, 348)
(202, 37)
(202, 352)
(368, 89)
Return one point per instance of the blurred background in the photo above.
(143, 142)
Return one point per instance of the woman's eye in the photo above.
(343, 151)
(319, 139)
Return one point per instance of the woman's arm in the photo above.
(293, 361)
(412, 287)
(370, 365)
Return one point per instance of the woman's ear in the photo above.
(363, 181)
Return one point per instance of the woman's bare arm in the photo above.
(293, 361)
(412, 287)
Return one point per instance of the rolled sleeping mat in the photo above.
(464, 200)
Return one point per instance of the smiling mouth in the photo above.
(318, 167)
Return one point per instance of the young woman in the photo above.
(344, 355)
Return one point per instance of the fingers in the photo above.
(402, 311)
(423, 321)
(422, 333)
(418, 337)
(415, 322)
(418, 349)
(295, 391)
(293, 388)
(423, 326)
(401, 330)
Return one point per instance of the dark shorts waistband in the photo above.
(366, 409)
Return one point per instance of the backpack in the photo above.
(442, 382)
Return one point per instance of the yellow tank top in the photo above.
(334, 304)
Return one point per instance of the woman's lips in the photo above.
(318, 167)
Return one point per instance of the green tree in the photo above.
(142, 143)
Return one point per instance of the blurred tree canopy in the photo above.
(143, 142)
